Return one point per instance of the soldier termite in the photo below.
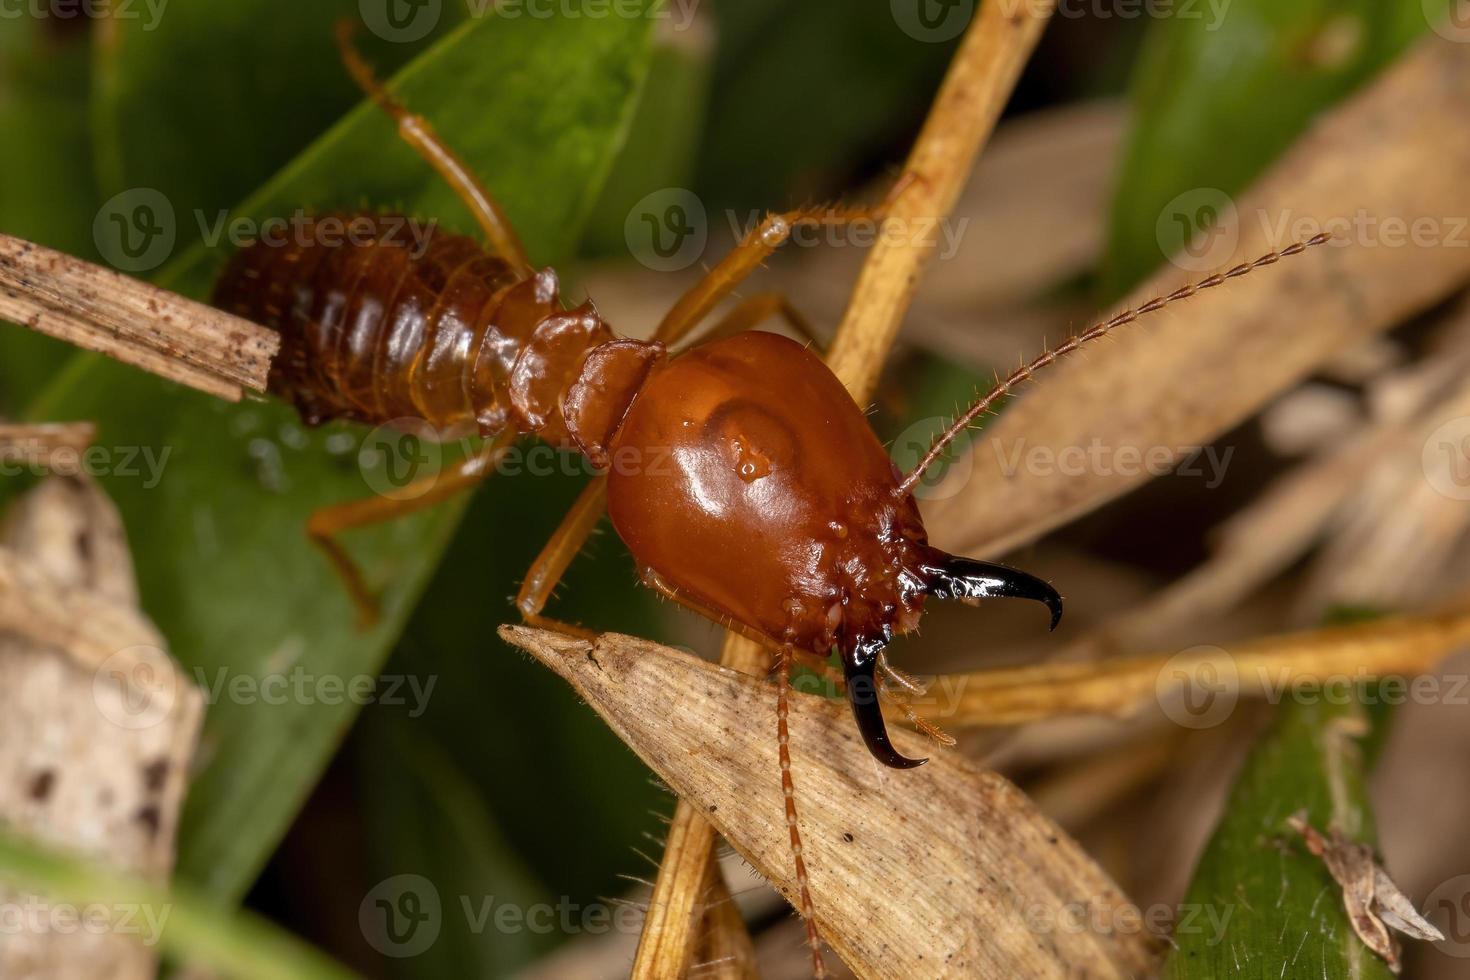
(777, 512)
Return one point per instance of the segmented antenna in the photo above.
(1025, 372)
(788, 790)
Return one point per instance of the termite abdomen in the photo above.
(382, 319)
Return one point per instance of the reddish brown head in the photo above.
(746, 478)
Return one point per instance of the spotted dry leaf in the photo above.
(1375, 905)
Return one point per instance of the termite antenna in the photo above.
(788, 790)
(1025, 372)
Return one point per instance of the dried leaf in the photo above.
(97, 726)
(1373, 902)
(1185, 378)
(940, 869)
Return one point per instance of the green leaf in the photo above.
(1219, 96)
(242, 84)
(1259, 904)
(663, 139)
(562, 788)
(792, 117)
(538, 106)
(424, 817)
(47, 194)
(191, 927)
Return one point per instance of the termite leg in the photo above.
(419, 134)
(326, 523)
(551, 564)
(754, 310)
(747, 256)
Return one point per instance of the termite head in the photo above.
(762, 498)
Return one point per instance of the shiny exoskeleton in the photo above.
(744, 479)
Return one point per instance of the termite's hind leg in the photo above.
(327, 523)
(419, 134)
(556, 556)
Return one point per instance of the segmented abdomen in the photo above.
(377, 324)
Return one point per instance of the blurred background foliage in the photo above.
(502, 784)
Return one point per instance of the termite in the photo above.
(773, 508)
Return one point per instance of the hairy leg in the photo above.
(419, 134)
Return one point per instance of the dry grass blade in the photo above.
(943, 869)
(1268, 666)
(1222, 357)
(975, 90)
(725, 949)
(666, 947)
(150, 328)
